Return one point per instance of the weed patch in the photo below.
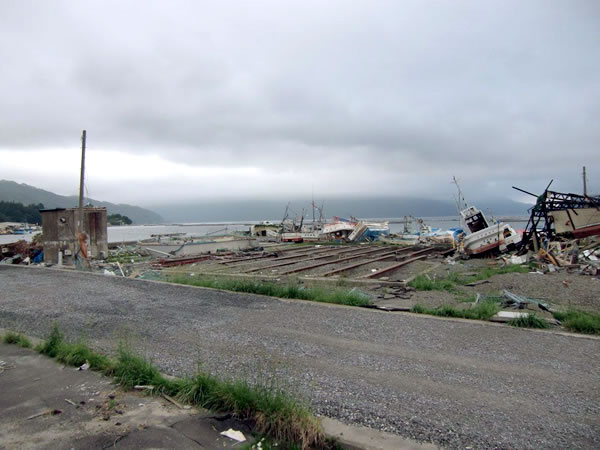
(51, 345)
(16, 338)
(131, 370)
(454, 279)
(482, 311)
(424, 283)
(489, 272)
(269, 408)
(579, 321)
(292, 290)
(274, 413)
(77, 354)
(529, 321)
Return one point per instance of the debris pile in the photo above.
(21, 252)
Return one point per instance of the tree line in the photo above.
(17, 212)
(118, 219)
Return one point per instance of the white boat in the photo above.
(369, 231)
(479, 236)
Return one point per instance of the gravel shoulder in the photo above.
(454, 383)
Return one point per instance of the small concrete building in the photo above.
(59, 233)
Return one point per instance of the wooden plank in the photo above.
(288, 263)
(401, 264)
(335, 261)
(243, 261)
(364, 263)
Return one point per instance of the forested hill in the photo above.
(17, 212)
(25, 194)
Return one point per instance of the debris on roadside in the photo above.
(234, 434)
(46, 412)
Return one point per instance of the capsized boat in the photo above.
(369, 231)
(479, 235)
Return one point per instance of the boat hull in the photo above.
(578, 222)
(499, 236)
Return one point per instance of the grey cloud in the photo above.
(497, 90)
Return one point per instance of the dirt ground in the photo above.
(561, 288)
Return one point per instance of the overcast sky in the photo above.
(187, 100)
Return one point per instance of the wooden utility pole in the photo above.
(584, 182)
(80, 218)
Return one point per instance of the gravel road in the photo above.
(455, 383)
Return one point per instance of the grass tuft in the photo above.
(51, 346)
(131, 370)
(579, 321)
(77, 354)
(274, 412)
(489, 272)
(482, 311)
(16, 338)
(424, 283)
(454, 279)
(292, 290)
(529, 321)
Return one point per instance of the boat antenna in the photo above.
(313, 205)
(461, 199)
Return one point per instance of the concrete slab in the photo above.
(363, 438)
(47, 405)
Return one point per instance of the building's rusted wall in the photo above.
(59, 233)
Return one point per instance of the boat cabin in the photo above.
(474, 219)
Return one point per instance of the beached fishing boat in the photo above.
(369, 231)
(338, 229)
(479, 235)
(577, 222)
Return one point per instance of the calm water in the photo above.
(136, 232)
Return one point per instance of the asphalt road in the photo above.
(455, 383)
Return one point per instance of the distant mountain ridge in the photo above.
(12, 191)
(375, 207)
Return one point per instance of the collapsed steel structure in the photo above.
(546, 203)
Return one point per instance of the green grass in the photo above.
(579, 321)
(454, 279)
(16, 338)
(424, 283)
(285, 421)
(291, 290)
(51, 345)
(482, 311)
(268, 407)
(489, 272)
(529, 321)
(74, 353)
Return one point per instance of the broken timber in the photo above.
(422, 255)
(289, 263)
(335, 261)
(364, 263)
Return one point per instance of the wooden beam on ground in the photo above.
(364, 263)
(279, 258)
(288, 263)
(335, 261)
(423, 254)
